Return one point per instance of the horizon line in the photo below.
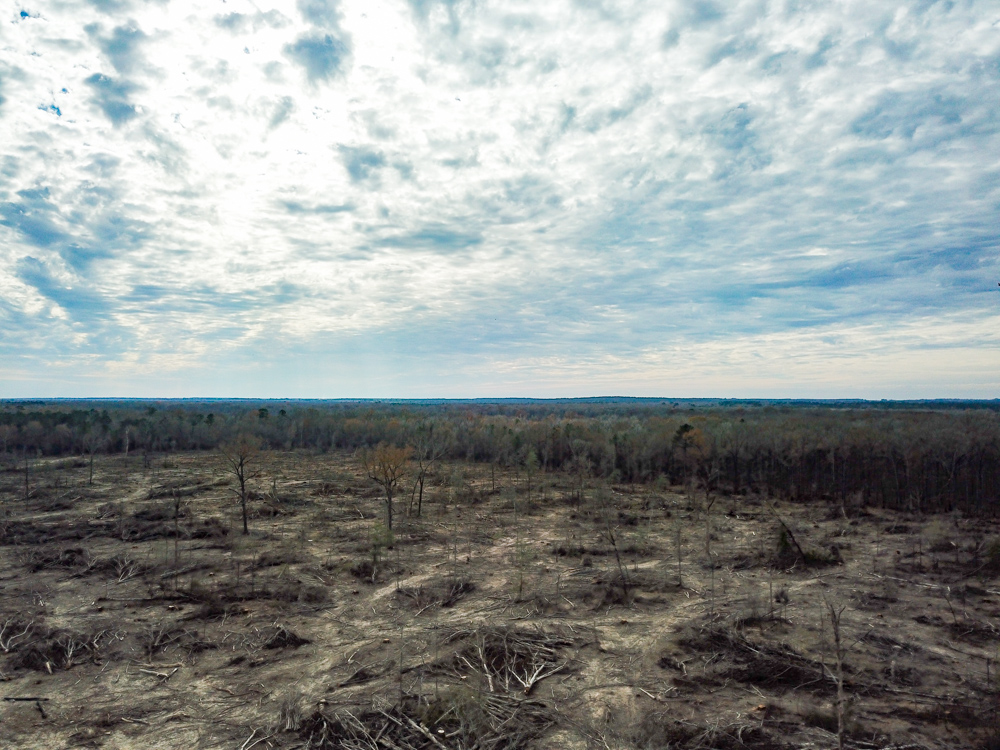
(495, 399)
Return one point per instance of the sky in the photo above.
(473, 198)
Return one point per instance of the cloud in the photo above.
(81, 304)
(703, 12)
(294, 207)
(31, 217)
(282, 110)
(80, 236)
(374, 125)
(735, 133)
(603, 117)
(322, 56)
(240, 22)
(819, 58)
(448, 11)
(204, 298)
(362, 164)
(112, 97)
(122, 47)
(901, 114)
(455, 196)
(232, 21)
(436, 237)
(322, 13)
(735, 47)
(111, 6)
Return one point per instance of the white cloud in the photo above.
(446, 197)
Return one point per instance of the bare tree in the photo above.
(836, 615)
(531, 466)
(385, 465)
(580, 465)
(93, 440)
(429, 450)
(31, 435)
(734, 439)
(604, 505)
(240, 459)
(495, 447)
(8, 435)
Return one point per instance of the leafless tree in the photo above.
(385, 465)
(430, 447)
(8, 434)
(580, 465)
(93, 441)
(240, 458)
(31, 435)
(531, 466)
(610, 533)
(836, 615)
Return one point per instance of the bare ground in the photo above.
(133, 614)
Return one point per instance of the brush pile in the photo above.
(458, 720)
(507, 658)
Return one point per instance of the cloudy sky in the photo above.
(421, 198)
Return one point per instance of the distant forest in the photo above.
(920, 456)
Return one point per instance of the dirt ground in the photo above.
(135, 614)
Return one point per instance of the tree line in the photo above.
(921, 459)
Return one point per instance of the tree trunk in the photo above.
(243, 504)
(835, 616)
(736, 473)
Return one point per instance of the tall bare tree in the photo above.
(8, 435)
(240, 459)
(430, 447)
(31, 437)
(531, 466)
(836, 616)
(385, 465)
(580, 465)
(93, 440)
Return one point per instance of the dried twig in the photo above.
(11, 633)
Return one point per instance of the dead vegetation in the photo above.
(656, 730)
(457, 720)
(446, 592)
(584, 615)
(728, 654)
(507, 658)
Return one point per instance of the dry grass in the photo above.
(636, 617)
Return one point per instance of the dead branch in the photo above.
(10, 640)
(788, 531)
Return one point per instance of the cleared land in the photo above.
(625, 616)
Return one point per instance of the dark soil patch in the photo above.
(775, 666)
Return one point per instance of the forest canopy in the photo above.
(929, 456)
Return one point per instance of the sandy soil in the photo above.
(139, 616)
